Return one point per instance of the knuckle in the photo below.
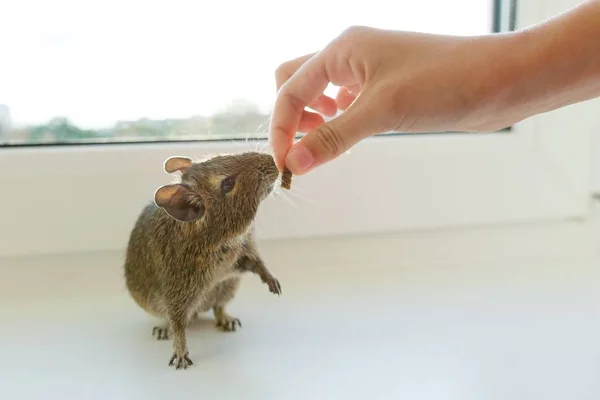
(291, 98)
(330, 139)
(282, 73)
(353, 31)
(351, 37)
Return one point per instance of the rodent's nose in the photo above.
(267, 158)
(268, 171)
(268, 164)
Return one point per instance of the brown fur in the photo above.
(188, 249)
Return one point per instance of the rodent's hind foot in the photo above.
(228, 323)
(182, 361)
(161, 333)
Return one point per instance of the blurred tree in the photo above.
(240, 118)
(60, 130)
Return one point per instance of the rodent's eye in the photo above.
(227, 184)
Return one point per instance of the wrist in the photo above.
(496, 78)
(548, 66)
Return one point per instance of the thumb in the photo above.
(335, 137)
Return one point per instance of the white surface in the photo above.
(379, 318)
(87, 198)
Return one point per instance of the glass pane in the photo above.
(133, 70)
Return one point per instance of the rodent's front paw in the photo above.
(273, 283)
(229, 323)
(182, 361)
(161, 333)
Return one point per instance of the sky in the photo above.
(97, 62)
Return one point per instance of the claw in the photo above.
(160, 333)
(275, 287)
(229, 325)
(273, 283)
(182, 362)
(235, 322)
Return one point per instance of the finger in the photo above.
(310, 121)
(325, 105)
(353, 89)
(289, 68)
(344, 98)
(335, 137)
(303, 88)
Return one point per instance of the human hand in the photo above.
(389, 81)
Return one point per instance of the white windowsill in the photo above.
(471, 314)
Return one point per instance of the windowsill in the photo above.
(464, 314)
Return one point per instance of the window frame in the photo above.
(86, 197)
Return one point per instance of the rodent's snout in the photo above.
(269, 160)
(267, 167)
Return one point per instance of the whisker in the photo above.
(237, 142)
(301, 197)
(248, 141)
(295, 189)
(261, 127)
(267, 147)
(276, 192)
(289, 200)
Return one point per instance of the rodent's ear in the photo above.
(180, 202)
(177, 164)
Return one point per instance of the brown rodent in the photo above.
(188, 249)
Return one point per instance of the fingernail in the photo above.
(299, 159)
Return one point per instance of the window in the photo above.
(99, 64)
(137, 71)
